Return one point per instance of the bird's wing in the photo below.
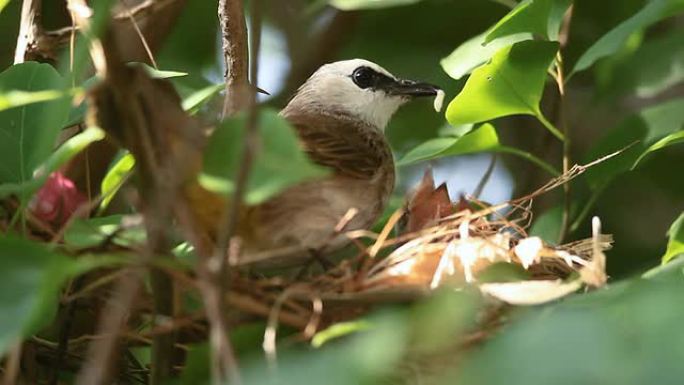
(353, 151)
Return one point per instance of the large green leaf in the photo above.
(3, 3)
(349, 5)
(611, 42)
(482, 139)
(31, 279)
(537, 17)
(511, 83)
(474, 53)
(58, 158)
(639, 132)
(279, 162)
(629, 333)
(675, 244)
(29, 132)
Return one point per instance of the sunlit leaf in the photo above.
(15, 98)
(31, 279)
(675, 244)
(3, 3)
(611, 42)
(279, 163)
(29, 132)
(537, 17)
(348, 5)
(474, 53)
(194, 101)
(511, 83)
(337, 330)
(158, 74)
(482, 139)
(115, 178)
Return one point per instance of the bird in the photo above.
(339, 116)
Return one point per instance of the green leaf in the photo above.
(279, 163)
(29, 131)
(547, 226)
(675, 244)
(194, 101)
(15, 98)
(669, 140)
(57, 159)
(628, 333)
(338, 330)
(653, 67)
(85, 233)
(31, 278)
(611, 42)
(474, 53)
(349, 5)
(115, 178)
(537, 17)
(511, 83)
(158, 74)
(639, 131)
(482, 139)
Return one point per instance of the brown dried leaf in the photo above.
(428, 204)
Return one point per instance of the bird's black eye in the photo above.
(363, 77)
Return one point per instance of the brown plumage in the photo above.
(340, 126)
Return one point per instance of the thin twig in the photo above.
(143, 41)
(485, 178)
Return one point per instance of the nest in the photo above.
(441, 245)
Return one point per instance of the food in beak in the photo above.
(439, 100)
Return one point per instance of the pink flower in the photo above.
(57, 200)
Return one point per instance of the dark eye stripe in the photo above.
(366, 77)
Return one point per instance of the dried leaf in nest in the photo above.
(428, 204)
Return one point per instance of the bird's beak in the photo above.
(411, 88)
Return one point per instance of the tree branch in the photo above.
(32, 42)
(235, 54)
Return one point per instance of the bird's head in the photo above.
(358, 88)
